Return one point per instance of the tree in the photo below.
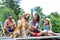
(38, 10)
(13, 4)
(55, 14)
(4, 11)
(55, 20)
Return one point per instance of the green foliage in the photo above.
(13, 4)
(55, 20)
(55, 14)
(12, 7)
(4, 11)
(38, 9)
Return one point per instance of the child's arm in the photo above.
(51, 27)
(44, 26)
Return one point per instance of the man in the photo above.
(9, 25)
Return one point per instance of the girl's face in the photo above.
(20, 17)
(46, 22)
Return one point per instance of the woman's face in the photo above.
(35, 17)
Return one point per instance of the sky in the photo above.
(47, 6)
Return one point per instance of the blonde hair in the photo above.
(19, 16)
(47, 19)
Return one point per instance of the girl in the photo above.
(48, 27)
(19, 21)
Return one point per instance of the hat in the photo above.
(47, 19)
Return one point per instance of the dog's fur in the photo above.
(23, 28)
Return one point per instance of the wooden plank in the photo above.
(6, 38)
(30, 38)
(42, 37)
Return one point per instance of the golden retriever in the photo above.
(23, 28)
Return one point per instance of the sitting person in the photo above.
(19, 21)
(9, 25)
(35, 29)
(23, 29)
(48, 27)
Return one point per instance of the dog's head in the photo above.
(26, 15)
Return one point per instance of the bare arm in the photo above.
(18, 23)
(14, 23)
(51, 27)
(44, 26)
(35, 27)
(19, 27)
(5, 24)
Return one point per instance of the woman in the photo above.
(35, 29)
(48, 27)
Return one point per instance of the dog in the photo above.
(23, 29)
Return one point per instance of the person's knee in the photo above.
(5, 28)
(45, 30)
(50, 32)
(14, 28)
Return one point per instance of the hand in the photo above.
(35, 27)
(10, 25)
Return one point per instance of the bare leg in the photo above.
(11, 36)
(14, 28)
(15, 34)
(42, 33)
(50, 35)
(31, 32)
(50, 32)
(6, 29)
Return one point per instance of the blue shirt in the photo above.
(37, 24)
(47, 27)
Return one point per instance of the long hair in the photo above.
(38, 18)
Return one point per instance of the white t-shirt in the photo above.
(19, 21)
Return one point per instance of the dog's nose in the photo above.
(28, 16)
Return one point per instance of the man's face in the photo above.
(10, 17)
